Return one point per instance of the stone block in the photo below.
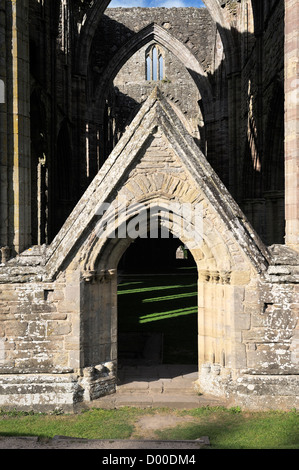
(66, 306)
(72, 344)
(240, 278)
(58, 328)
(37, 329)
(44, 307)
(256, 335)
(258, 321)
(4, 308)
(237, 297)
(15, 328)
(56, 295)
(9, 295)
(253, 309)
(53, 316)
(242, 321)
(6, 316)
(44, 393)
(61, 359)
(252, 295)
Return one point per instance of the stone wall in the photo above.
(37, 325)
(59, 307)
(191, 26)
(15, 127)
(291, 123)
(261, 167)
(58, 301)
(191, 29)
(177, 86)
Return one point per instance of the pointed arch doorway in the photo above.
(228, 253)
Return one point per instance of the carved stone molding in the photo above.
(89, 276)
(214, 277)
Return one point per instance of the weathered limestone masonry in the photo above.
(15, 127)
(187, 36)
(262, 135)
(82, 124)
(292, 117)
(270, 338)
(58, 310)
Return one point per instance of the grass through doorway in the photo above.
(164, 305)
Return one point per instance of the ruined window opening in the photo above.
(154, 64)
(161, 68)
(2, 92)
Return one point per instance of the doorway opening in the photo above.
(157, 304)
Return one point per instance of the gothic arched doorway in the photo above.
(184, 195)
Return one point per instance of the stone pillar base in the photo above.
(98, 381)
(251, 392)
(266, 392)
(49, 392)
(40, 393)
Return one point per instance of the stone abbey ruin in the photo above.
(196, 107)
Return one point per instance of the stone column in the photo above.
(3, 131)
(202, 276)
(292, 122)
(18, 124)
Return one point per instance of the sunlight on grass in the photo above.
(164, 315)
(231, 429)
(154, 288)
(189, 268)
(92, 424)
(227, 428)
(170, 297)
(130, 283)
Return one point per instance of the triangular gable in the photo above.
(156, 112)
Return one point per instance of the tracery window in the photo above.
(154, 63)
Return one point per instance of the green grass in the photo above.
(233, 429)
(92, 424)
(226, 428)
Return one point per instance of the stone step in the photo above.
(151, 400)
(159, 386)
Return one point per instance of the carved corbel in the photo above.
(89, 276)
(103, 276)
(215, 277)
(204, 276)
(110, 274)
(225, 277)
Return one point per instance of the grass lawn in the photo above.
(226, 428)
(233, 429)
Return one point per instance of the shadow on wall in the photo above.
(243, 147)
(254, 170)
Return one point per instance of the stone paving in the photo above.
(157, 386)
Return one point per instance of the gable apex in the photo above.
(156, 114)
